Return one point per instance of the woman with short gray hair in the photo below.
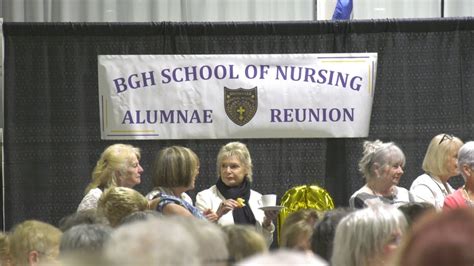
(464, 196)
(382, 167)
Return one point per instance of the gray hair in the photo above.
(362, 234)
(161, 241)
(84, 237)
(140, 216)
(378, 155)
(238, 150)
(283, 257)
(210, 238)
(466, 156)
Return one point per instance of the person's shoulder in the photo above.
(363, 189)
(455, 196)
(453, 200)
(421, 179)
(97, 192)
(402, 189)
(210, 190)
(152, 194)
(255, 193)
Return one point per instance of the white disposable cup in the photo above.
(269, 200)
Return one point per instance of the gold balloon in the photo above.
(303, 197)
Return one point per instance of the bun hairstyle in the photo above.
(377, 155)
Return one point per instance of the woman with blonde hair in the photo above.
(118, 166)
(34, 242)
(439, 165)
(5, 257)
(297, 230)
(231, 199)
(118, 202)
(382, 167)
(243, 241)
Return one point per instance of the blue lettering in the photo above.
(182, 116)
(175, 78)
(151, 119)
(253, 74)
(263, 71)
(190, 73)
(275, 115)
(120, 85)
(167, 118)
(341, 78)
(195, 117)
(282, 72)
(357, 85)
(166, 76)
(322, 75)
(127, 118)
(151, 78)
(287, 115)
(138, 118)
(220, 74)
(293, 73)
(231, 72)
(133, 84)
(331, 74)
(207, 116)
(209, 72)
(309, 73)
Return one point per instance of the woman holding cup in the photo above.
(231, 198)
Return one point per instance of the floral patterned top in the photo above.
(166, 199)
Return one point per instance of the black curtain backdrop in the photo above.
(425, 80)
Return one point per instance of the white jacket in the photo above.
(211, 198)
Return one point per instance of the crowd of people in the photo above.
(385, 224)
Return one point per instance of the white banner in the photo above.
(236, 96)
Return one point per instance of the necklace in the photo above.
(468, 199)
(390, 196)
(444, 191)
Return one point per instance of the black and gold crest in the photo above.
(240, 104)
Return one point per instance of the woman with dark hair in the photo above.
(175, 171)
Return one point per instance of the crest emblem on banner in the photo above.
(240, 104)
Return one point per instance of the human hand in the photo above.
(227, 206)
(269, 217)
(210, 215)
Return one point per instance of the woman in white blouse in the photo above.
(439, 165)
(234, 167)
(118, 166)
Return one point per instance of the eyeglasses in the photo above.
(445, 137)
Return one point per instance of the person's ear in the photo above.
(33, 258)
(376, 169)
(118, 174)
(466, 169)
